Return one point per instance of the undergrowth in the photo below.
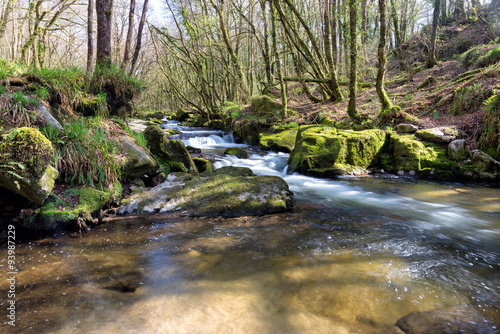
(467, 99)
(85, 154)
(490, 137)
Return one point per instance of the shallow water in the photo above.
(353, 256)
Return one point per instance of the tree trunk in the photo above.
(267, 49)
(459, 12)
(104, 10)
(138, 44)
(130, 31)
(384, 99)
(5, 17)
(431, 58)
(364, 28)
(90, 37)
(284, 99)
(334, 34)
(352, 110)
(444, 14)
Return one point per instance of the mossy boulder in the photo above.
(25, 156)
(264, 105)
(419, 157)
(327, 152)
(203, 165)
(58, 212)
(441, 135)
(231, 196)
(457, 150)
(283, 141)
(183, 114)
(169, 149)
(234, 171)
(137, 162)
(237, 152)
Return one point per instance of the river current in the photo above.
(353, 256)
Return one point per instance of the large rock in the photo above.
(25, 156)
(406, 128)
(418, 157)
(328, 152)
(283, 141)
(232, 196)
(441, 135)
(137, 163)
(228, 192)
(59, 211)
(458, 319)
(47, 119)
(170, 149)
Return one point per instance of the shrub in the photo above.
(490, 136)
(490, 58)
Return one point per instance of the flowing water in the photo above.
(354, 256)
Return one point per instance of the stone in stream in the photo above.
(283, 141)
(203, 165)
(237, 152)
(458, 319)
(137, 163)
(228, 192)
(324, 151)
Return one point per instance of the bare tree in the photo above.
(104, 10)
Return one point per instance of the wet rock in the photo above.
(327, 152)
(406, 128)
(283, 141)
(25, 156)
(203, 165)
(237, 152)
(457, 150)
(231, 196)
(58, 212)
(138, 163)
(192, 149)
(234, 171)
(170, 149)
(453, 320)
(441, 135)
(125, 282)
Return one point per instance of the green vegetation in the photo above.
(467, 98)
(490, 139)
(85, 154)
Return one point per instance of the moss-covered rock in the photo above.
(423, 158)
(232, 196)
(137, 162)
(441, 135)
(169, 149)
(264, 105)
(58, 212)
(25, 156)
(234, 171)
(237, 152)
(457, 150)
(283, 141)
(203, 165)
(328, 152)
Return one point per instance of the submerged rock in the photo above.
(283, 141)
(25, 156)
(458, 319)
(328, 152)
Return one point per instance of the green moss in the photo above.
(283, 141)
(234, 171)
(264, 106)
(203, 165)
(328, 151)
(237, 152)
(92, 199)
(29, 147)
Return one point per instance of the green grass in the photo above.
(85, 154)
(467, 99)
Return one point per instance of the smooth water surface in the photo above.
(353, 256)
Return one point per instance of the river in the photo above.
(353, 256)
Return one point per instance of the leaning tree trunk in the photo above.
(352, 110)
(384, 99)
(104, 10)
(128, 40)
(431, 58)
(138, 44)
